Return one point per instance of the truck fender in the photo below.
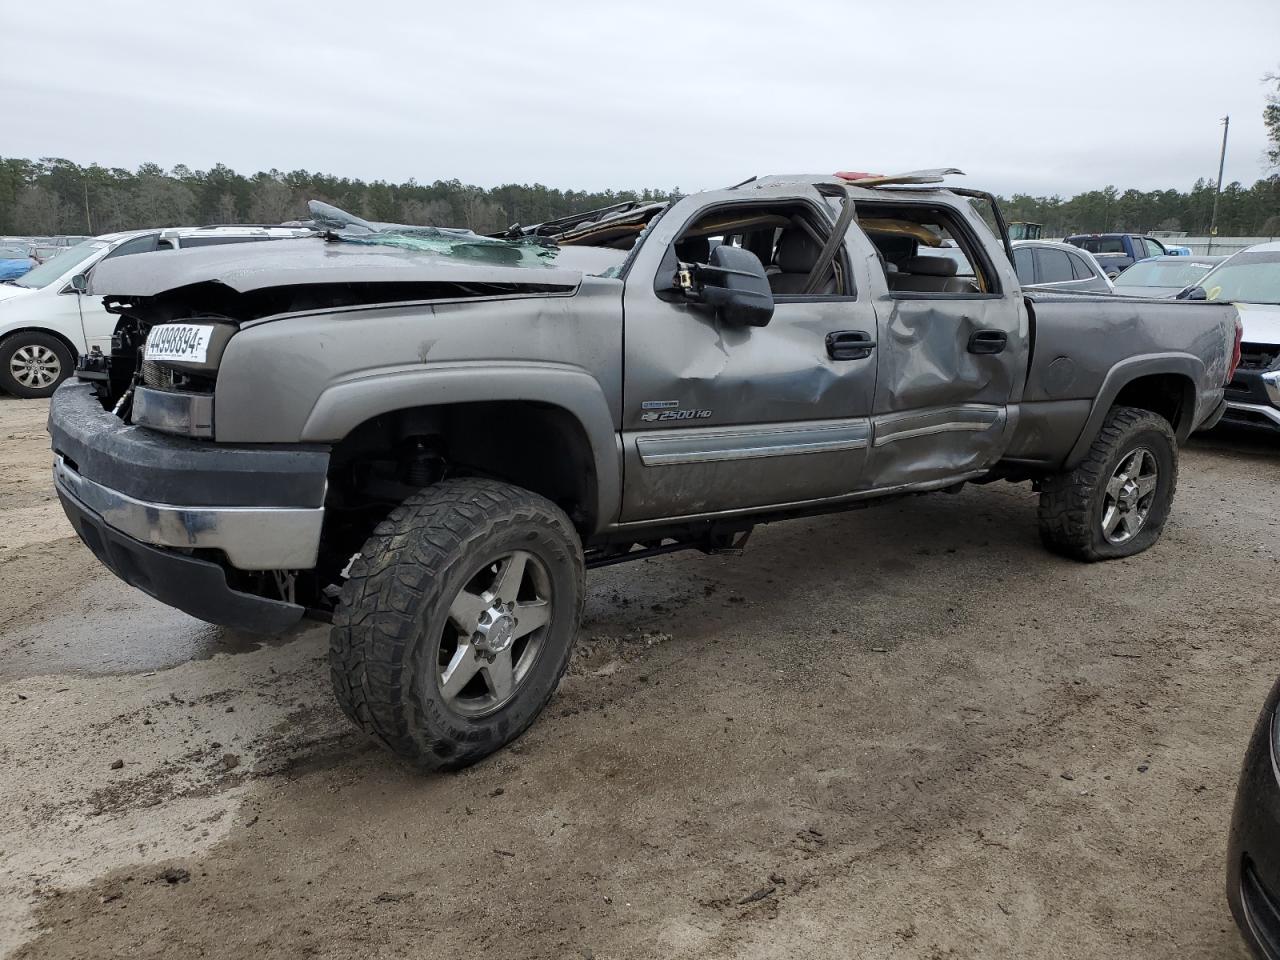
(347, 403)
(1126, 371)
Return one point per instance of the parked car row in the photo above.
(15, 261)
(46, 321)
(1118, 251)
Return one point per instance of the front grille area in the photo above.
(160, 377)
(1261, 909)
(154, 375)
(1259, 356)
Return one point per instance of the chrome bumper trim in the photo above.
(1271, 384)
(253, 538)
(1271, 413)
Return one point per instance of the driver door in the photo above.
(719, 419)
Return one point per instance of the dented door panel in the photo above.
(701, 398)
(940, 409)
(703, 402)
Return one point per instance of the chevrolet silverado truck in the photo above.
(426, 436)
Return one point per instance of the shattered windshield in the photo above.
(342, 227)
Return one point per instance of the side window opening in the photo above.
(143, 244)
(218, 240)
(1022, 265)
(1081, 269)
(1103, 244)
(924, 249)
(1053, 266)
(787, 239)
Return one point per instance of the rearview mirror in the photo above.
(734, 282)
(79, 283)
(1192, 293)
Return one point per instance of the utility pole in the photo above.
(87, 222)
(1222, 159)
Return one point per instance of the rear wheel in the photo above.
(457, 620)
(1117, 499)
(32, 364)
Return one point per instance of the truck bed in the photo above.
(1074, 376)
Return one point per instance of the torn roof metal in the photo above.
(932, 177)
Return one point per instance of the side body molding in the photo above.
(349, 402)
(1186, 365)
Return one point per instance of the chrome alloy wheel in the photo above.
(1130, 493)
(35, 366)
(494, 633)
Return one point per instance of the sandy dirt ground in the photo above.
(904, 732)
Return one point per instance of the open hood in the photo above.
(248, 267)
(1261, 322)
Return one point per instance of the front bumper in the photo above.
(163, 513)
(194, 586)
(252, 538)
(1253, 399)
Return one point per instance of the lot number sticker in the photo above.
(178, 341)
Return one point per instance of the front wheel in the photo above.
(1117, 499)
(456, 622)
(32, 364)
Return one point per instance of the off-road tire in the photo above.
(1071, 503)
(37, 340)
(394, 604)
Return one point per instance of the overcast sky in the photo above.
(1023, 96)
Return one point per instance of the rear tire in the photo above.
(1117, 499)
(427, 653)
(32, 364)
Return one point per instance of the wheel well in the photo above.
(71, 347)
(1171, 395)
(537, 446)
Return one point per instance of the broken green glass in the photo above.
(343, 227)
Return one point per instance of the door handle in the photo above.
(849, 345)
(988, 341)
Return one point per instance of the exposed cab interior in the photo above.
(787, 238)
(923, 249)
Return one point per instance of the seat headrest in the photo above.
(797, 252)
(929, 266)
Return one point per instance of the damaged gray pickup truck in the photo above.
(427, 436)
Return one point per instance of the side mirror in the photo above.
(79, 283)
(1192, 293)
(734, 282)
